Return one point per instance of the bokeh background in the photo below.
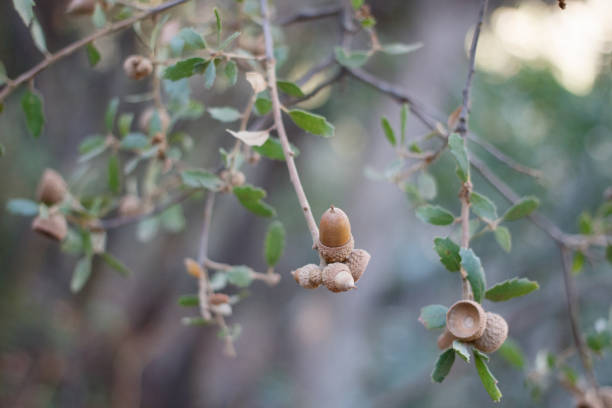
(542, 94)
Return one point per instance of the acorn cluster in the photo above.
(467, 321)
(342, 265)
(52, 189)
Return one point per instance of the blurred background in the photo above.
(542, 94)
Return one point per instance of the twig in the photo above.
(280, 127)
(313, 14)
(70, 49)
(208, 209)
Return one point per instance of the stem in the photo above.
(280, 127)
(208, 209)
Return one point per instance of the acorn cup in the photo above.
(137, 67)
(495, 334)
(358, 262)
(218, 299)
(466, 320)
(308, 276)
(52, 188)
(54, 226)
(337, 277)
(335, 240)
(144, 121)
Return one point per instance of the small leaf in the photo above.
(434, 214)
(609, 253)
(403, 120)
(115, 263)
(462, 350)
(511, 288)
(389, 134)
(93, 55)
(488, 380)
(273, 149)
(228, 41)
(251, 138)
(475, 273)
(598, 341)
(189, 300)
(111, 113)
(250, 197)
(38, 36)
(195, 321)
(22, 206)
(32, 106)
(351, 59)
(512, 353)
(312, 123)
(225, 114)
(192, 39)
(427, 186)
(231, 72)
(275, 243)
(200, 178)
(219, 24)
(98, 17)
(209, 75)
(241, 276)
(577, 263)
(124, 124)
(399, 48)
(449, 253)
(357, 4)
(24, 9)
(290, 88)
(263, 105)
(173, 219)
(483, 206)
(184, 68)
(134, 141)
(503, 238)
(433, 316)
(443, 365)
(81, 274)
(114, 181)
(457, 148)
(521, 209)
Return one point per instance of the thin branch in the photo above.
(208, 209)
(280, 127)
(70, 49)
(312, 14)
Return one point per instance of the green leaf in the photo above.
(115, 263)
(99, 17)
(290, 88)
(427, 186)
(81, 274)
(134, 141)
(461, 349)
(250, 197)
(263, 105)
(512, 353)
(231, 72)
(488, 380)
(384, 122)
(503, 238)
(357, 4)
(114, 181)
(403, 120)
(3, 76)
(189, 300)
(399, 48)
(32, 106)
(93, 55)
(272, 149)
(457, 148)
(599, 341)
(609, 253)
(241, 276)
(475, 273)
(173, 219)
(219, 24)
(185, 68)
(38, 36)
(275, 243)
(577, 263)
(585, 223)
(449, 253)
(433, 316)
(312, 123)
(443, 365)
(434, 214)
(24, 9)
(195, 321)
(124, 124)
(209, 75)
(225, 114)
(192, 39)
(511, 288)
(22, 206)
(351, 59)
(111, 113)
(483, 206)
(200, 178)
(228, 41)
(521, 209)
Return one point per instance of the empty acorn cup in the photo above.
(466, 320)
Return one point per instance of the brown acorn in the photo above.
(496, 332)
(466, 320)
(335, 240)
(337, 277)
(52, 188)
(144, 122)
(137, 67)
(358, 262)
(308, 276)
(54, 226)
(218, 298)
(445, 340)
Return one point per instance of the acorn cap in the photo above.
(52, 188)
(53, 227)
(336, 254)
(144, 121)
(137, 67)
(334, 228)
(337, 277)
(358, 262)
(466, 320)
(308, 276)
(496, 332)
(445, 340)
(218, 298)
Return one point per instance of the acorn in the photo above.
(218, 298)
(335, 240)
(358, 262)
(144, 122)
(232, 179)
(52, 188)
(337, 277)
(130, 206)
(466, 320)
(54, 226)
(445, 340)
(496, 332)
(308, 276)
(137, 67)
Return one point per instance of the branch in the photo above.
(312, 14)
(70, 49)
(208, 209)
(280, 127)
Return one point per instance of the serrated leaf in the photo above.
(290, 88)
(521, 209)
(192, 40)
(241, 276)
(488, 380)
(351, 59)
(389, 133)
(114, 181)
(457, 148)
(22, 206)
(503, 238)
(275, 243)
(81, 274)
(435, 215)
(433, 316)
(448, 252)
(400, 48)
(32, 105)
(93, 55)
(483, 206)
(462, 350)
(200, 178)
(251, 138)
(475, 272)
(111, 113)
(512, 353)
(312, 123)
(189, 300)
(443, 365)
(511, 288)
(210, 74)
(250, 197)
(115, 263)
(185, 68)
(231, 72)
(225, 114)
